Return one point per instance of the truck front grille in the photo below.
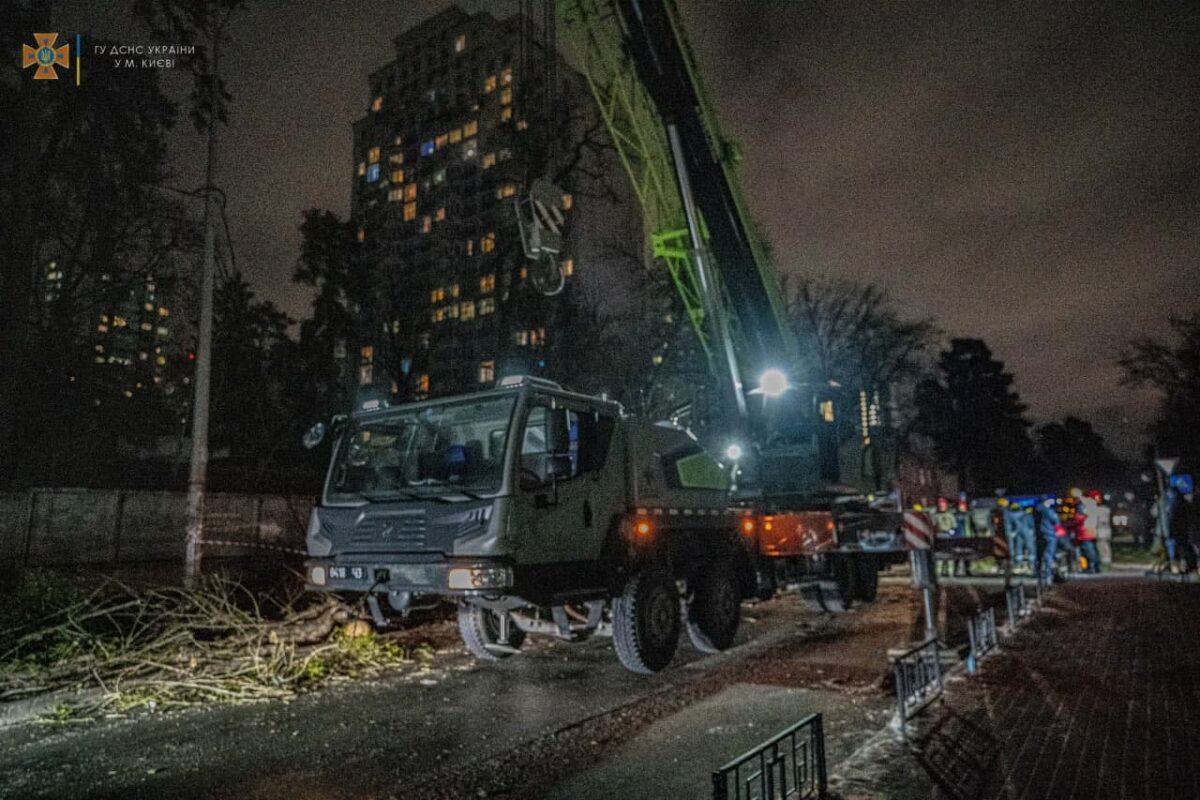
(405, 529)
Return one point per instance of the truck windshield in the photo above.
(430, 452)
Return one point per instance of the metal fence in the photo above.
(918, 675)
(981, 631)
(789, 765)
(1014, 598)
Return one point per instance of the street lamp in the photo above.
(734, 452)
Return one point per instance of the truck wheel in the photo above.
(715, 609)
(844, 578)
(867, 575)
(646, 622)
(489, 635)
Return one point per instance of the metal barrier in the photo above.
(981, 630)
(918, 674)
(789, 765)
(1014, 598)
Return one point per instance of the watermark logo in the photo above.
(45, 57)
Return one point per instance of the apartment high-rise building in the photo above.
(453, 134)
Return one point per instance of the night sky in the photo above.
(1027, 174)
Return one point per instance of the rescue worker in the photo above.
(1050, 525)
(964, 529)
(945, 524)
(1018, 526)
(1085, 528)
(1183, 532)
(1104, 531)
(1164, 544)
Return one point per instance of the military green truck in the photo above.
(539, 511)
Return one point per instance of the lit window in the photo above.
(99, 348)
(470, 129)
(362, 234)
(120, 322)
(460, 43)
(470, 247)
(164, 312)
(395, 195)
(489, 160)
(827, 410)
(466, 310)
(470, 148)
(373, 173)
(410, 212)
(488, 243)
(437, 295)
(440, 215)
(426, 224)
(161, 361)
(507, 190)
(398, 140)
(441, 141)
(397, 176)
(427, 148)
(521, 338)
(522, 124)
(454, 291)
(410, 192)
(524, 273)
(489, 83)
(567, 202)
(367, 354)
(452, 311)
(568, 267)
(506, 75)
(366, 374)
(162, 331)
(148, 306)
(362, 168)
(396, 158)
(423, 383)
(377, 104)
(373, 155)
(506, 114)
(505, 96)
(439, 177)
(102, 328)
(439, 314)
(456, 136)
(104, 317)
(487, 371)
(487, 305)
(487, 283)
(146, 326)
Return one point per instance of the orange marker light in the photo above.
(643, 528)
(748, 526)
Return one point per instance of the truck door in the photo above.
(563, 480)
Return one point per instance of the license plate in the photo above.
(342, 573)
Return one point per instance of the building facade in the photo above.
(451, 138)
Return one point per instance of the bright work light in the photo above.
(733, 452)
(773, 383)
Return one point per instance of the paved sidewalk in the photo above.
(1097, 696)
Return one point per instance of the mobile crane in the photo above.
(543, 511)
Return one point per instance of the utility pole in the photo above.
(198, 474)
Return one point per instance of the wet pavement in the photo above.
(419, 734)
(1096, 696)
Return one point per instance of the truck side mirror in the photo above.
(313, 436)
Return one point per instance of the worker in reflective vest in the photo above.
(1049, 524)
(945, 525)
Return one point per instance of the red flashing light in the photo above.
(191, 356)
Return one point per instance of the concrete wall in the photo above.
(47, 527)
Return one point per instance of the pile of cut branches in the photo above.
(169, 647)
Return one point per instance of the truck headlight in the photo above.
(479, 578)
(316, 576)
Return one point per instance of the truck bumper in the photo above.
(383, 574)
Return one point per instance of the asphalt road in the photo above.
(509, 729)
